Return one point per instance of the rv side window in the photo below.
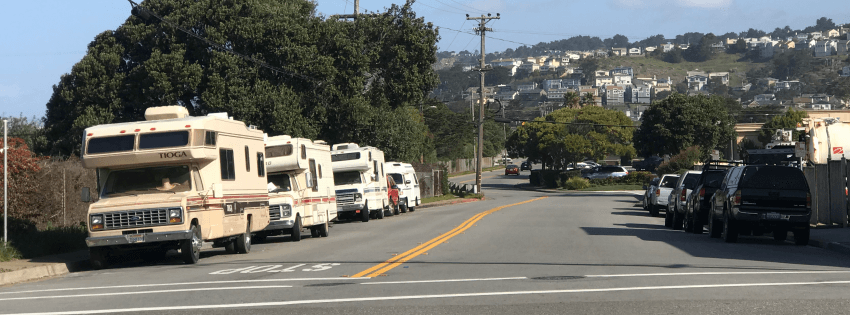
(377, 172)
(199, 185)
(303, 151)
(320, 170)
(209, 139)
(228, 170)
(313, 174)
(247, 159)
(261, 165)
(163, 140)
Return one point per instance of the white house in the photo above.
(845, 72)
(826, 48)
(635, 51)
(667, 47)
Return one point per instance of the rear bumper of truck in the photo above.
(147, 238)
(763, 217)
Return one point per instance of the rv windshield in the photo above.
(347, 178)
(397, 178)
(148, 180)
(279, 182)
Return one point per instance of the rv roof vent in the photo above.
(320, 142)
(218, 115)
(345, 146)
(166, 112)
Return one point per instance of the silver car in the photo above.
(659, 198)
(607, 172)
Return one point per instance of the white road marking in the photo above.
(713, 273)
(449, 280)
(184, 283)
(432, 296)
(143, 292)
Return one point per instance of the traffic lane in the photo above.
(528, 291)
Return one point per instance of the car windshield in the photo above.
(279, 183)
(669, 181)
(398, 178)
(691, 180)
(512, 166)
(347, 178)
(148, 180)
(773, 177)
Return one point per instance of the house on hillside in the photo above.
(600, 73)
(639, 94)
(826, 48)
(532, 95)
(723, 76)
(697, 80)
(650, 49)
(805, 44)
(619, 51)
(505, 93)
(845, 72)
(787, 85)
(667, 47)
(842, 47)
(612, 95)
(622, 70)
(635, 52)
(816, 35)
(529, 67)
(622, 79)
(834, 33)
(801, 36)
(602, 80)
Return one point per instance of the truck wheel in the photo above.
(230, 246)
(714, 228)
(243, 242)
(190, 250)
(801, 236)
(678, 220)
(364, 214)
(324, 230)
(397, 209)
(730, 229)
(653, 210)
(403, 208)
(668, 218)
(314, 232)
(98, 258)
(696, 224)
(780, 235)
(295, 236)
(686, 224)
(380, 214)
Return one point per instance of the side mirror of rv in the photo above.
(394, 187)
(309, 179)
(407, 181)
(217, 190)
(85, 195)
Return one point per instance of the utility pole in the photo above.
(351, 16)
(5, 183)
(481, 30)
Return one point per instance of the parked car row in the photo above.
(741, 200)
(173, 182)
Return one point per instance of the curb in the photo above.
(830, 246)
(447, 203)
(33, 273)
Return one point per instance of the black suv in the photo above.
(525, 166)
(699, 201)
(762, 198)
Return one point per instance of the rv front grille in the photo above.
(274, 212)
(136, 218)
(344, 199)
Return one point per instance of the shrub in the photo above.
(534, 178)
(683, 161)
(575, 183)
(550, 178)
(637, 178)
(572, 173)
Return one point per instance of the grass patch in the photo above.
(51, 241)
(486, 169)
(613, 188)
(451, 196)
(8, 253)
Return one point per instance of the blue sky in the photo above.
(43, 39)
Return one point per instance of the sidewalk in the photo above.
(832, 239)
(22, 270)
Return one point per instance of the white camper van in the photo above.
(408, 185)
(173, 182)
(361, 183)
(301, 187)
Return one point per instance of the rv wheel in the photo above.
(296, 229)
(403, 208)
(324, 230)
(243, 242)
(230, 246)
(314, 232)
(191, 249)
(380, 214)
(397, 209)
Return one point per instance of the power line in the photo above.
(456, 34)
(453, 7)
(420, 3)
(142, 11)
(474, 9)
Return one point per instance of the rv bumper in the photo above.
(135, 239)
(351, 207)
(279, 225)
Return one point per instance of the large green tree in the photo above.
(788, 120)
(274, 64)
(680, 121)
(569, 135)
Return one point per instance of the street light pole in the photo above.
(5, 182)
(481, 30)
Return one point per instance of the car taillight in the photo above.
(657, 192)
(684, 195)
(808, 200)
(702, 192)
(736, 200)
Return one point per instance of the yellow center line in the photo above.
(418, 250)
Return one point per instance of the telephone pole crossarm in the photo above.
(481, 30)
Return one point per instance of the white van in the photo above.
(301, 187)
(361, 183)
(408, 185)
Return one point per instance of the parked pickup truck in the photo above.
(762, 198)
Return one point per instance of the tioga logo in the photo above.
(172, 155)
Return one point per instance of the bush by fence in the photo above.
(575, 183)
(683, 161)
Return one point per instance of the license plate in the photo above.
(135, 238)
(773, 216)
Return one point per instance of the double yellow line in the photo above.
(418, 250)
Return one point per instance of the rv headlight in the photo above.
(358, 197)
(97, 222)
(175, 215)
(285, 210)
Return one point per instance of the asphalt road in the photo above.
(516, 252)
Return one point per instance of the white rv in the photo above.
(408, 185)
(361, 183)
(301, 187)
(173, 182)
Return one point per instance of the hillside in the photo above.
(647, 67)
